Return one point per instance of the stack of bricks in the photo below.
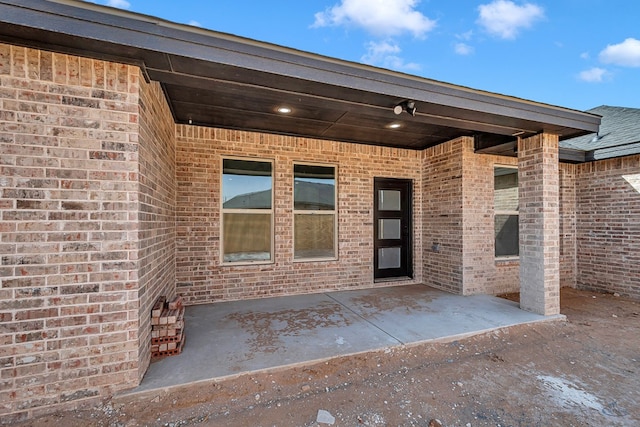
(167, 327)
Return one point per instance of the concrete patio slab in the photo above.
(229, 338)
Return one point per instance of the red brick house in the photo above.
(142, 158)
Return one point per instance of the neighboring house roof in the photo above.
(256, 200)
(619, 134)
(308, 195)
(314, 196)
(220, 80)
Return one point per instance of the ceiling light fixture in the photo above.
(284, 110)
(408, 106)
(394, 126)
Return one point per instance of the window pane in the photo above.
(388, 258)
(246, 184)
(314, 236)
(388, 228)
(389, 200)
(247, 237)
(314, 187)
(507, 235)
(505, 186)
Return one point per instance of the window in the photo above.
(314, 211)
(247, 211)
(505, 186)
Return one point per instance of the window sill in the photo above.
(245, 263)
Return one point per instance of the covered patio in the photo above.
(231, 338)
(124, 135)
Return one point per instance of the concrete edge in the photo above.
(129, 395)
(456, 337)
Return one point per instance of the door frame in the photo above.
(405, 186)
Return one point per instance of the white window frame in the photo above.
(333, 212)
(270, 211)
(504, 212)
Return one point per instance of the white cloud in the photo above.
(382, 18)
(585, 55)
(385, 54)
(463, 49)
(465, 36)
(593, 75)
(194, 23)
(505, 19)
(626, 54)
(120, 4)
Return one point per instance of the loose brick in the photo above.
(158, 306)
(175, 303)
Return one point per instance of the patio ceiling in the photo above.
(215, 79)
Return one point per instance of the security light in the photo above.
(408, 106)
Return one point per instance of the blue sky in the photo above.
(573, 53)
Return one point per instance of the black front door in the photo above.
(392, 228)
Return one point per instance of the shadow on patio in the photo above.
(230, 338)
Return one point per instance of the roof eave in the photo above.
(154, 41)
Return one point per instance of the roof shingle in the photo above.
(619, 134)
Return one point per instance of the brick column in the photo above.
(539, 224)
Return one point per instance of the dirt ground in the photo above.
(582, 372)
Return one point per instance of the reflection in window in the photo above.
(506, 215)
(247, 192)
(314, 207)
(246, 184)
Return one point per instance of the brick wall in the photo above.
(156, 216)
(458, 253)
(608, 229)
(68, 203)
(200, 276)
(442, 193)
(568, 254)
(483, 274)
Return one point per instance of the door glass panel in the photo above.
(388, 258)
(388, 228)
(389, 200)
